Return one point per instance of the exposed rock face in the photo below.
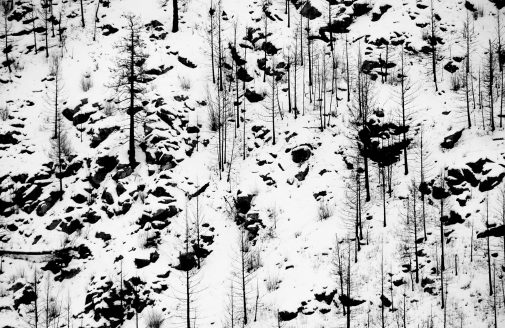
(483, 173)
(105, 165)
(103, 299)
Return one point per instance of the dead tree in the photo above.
(489, 82)
(188, 268)
(44, 13)
(410, 237)
(501, 58)
(129, 77)
(60, 145)
(33, 18)
(488, 251)
(425, 169)
(6, 27)
(468, 36)
(211, 32)
(96, 18)
(405, 98)
(360, 111)
(355, 206)
(244, 266)
(347, 70)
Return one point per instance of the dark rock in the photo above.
(301, 153)
(186, 62)
(243, 203)
(450, 67)
(309, 11)
(192, 129)
(440, 193)
(91, 217)
(72, 227)
(79, 198)
(243, 75)
(81, 118)
(106, 164)
(141, 263)
(103, 236)
(451, 140)
(124, 207)
(385, 301)
(103, 133)
(490, 182)
(382, 10)
(26, 297)
(453, 218)
(108, 29)
(470, 6)
(253, 96)
(493, 232)
(302, 174)
(200, 191)
(8, 138)
(120, 189)
(67, 274)
(326, 296)
(361, 8)
(107, 197)
(187, 262)
(48, 203)
(72, 168)
(287, 316)
(478, 166)
(160, 192)
(346, 301)
(123, 171)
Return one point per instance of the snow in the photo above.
(295, 247)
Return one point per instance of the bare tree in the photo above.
(489, 83)
(129, 76)
(433, 43)
(7, 30)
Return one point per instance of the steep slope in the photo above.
(277, 220)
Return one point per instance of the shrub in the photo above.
(253, 261)
(455, 82)
(4, 113)
(86, 82)
(213, 118)
(184, 83)
(154, 320)
(272, 283)
(324, 211)
(109, 109)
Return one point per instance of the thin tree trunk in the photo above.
(82, 15)
(131, 152)
(433, 47)
(244, 301)
(175, 21)
(347, 70)
(403, 113)
(488, 250)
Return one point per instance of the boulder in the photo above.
(451, 140)
(301, 153)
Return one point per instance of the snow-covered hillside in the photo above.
(320, 163)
